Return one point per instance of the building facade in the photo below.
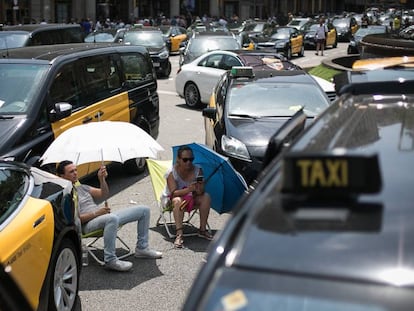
(64, 11)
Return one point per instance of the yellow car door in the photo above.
(331, 39)
(26, 246)
(296, 42)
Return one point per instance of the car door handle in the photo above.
(39, 221)
(99, 114)
(87, 120)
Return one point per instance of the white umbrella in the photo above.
(102, 141)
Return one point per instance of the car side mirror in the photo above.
(60, 110)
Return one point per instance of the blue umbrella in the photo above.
(224, 184)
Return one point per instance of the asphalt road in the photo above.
(160, 284)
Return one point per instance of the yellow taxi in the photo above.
(346, 27)
(39, 236)
(309, 33)
(46, 90)
(285, 40)
(174, 36)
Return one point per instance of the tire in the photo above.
(192, 95)
(167, 71)
(302, 51)
(289, 53)
(64, 278)
(135, 166)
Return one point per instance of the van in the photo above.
(47, 90)
(39, 34)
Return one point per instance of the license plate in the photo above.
(156, 64)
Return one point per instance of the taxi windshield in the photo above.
(203, 45)
(148, 39)
(9, 40)
(19, 84)
(281, 34)
(274, 100)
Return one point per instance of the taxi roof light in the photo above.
(240, 71)
(329, 175)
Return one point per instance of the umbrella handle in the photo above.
(213, 172)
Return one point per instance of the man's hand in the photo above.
(102, 172)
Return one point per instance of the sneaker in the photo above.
(118, 265)
(147, 253)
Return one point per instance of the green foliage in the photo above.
(324, 72)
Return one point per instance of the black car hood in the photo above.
(10, 130)
(154, 50)
(254, 133)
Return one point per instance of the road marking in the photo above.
(167, 93)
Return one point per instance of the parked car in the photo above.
(248, 107)
(299, 22)
(354, 44)
(195, 81)
(345, 27)
(46, 90)
(174, 36)
(39, 34)
(39, 236)
(407, 33)
(285, 40)
(259, 31)
(154, 41)
(327, 226)
(11, 296)
(206, 41)
(309, 33)
(106, 35)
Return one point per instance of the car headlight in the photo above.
(280, 44)
(164, 54)
(352, 42)
(234, 147)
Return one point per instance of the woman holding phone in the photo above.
(185, 188)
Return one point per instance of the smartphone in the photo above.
(200, 178)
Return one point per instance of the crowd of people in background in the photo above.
(396, 19)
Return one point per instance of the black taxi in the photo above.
(248, 105)
(329, 223)
(39, 240)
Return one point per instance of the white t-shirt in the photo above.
(320, 31)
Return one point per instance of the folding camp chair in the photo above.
(157, 170)
(96, 245)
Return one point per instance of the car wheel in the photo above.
(167, 71)
(302, 51)
(135, 166)
(65, 278)
(192, 95)
(289, 53)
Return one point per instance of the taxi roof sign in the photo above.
(242, 72)
(330, 175)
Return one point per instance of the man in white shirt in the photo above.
(321, 33)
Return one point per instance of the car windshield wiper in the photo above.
(243, 116)
(4, 117)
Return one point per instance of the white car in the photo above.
(195, 81)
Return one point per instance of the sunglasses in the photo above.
(187, 159)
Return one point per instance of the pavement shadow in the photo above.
(192, 242)
(96, 277)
